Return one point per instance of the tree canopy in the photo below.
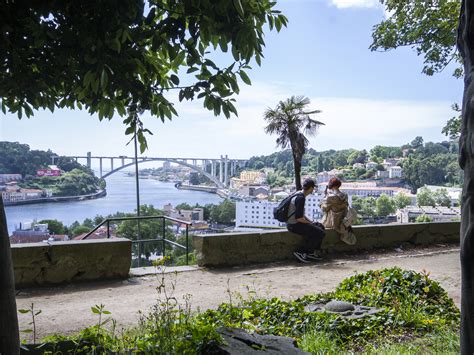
(112, 56)
(429, 27)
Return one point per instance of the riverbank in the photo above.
(203, 188)
(98, 194)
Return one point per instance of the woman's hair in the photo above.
(334, 182)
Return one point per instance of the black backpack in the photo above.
(280, 213)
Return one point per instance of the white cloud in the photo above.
(350, 123)
(342, 4)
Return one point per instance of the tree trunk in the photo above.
(9, 336)
(297, 166)
(466, 161)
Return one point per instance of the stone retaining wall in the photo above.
(38, 264)
(259, 247)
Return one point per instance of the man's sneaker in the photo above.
(301, 257)
(314, 256)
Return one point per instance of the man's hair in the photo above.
(308, 183)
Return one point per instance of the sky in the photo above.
(367, 98)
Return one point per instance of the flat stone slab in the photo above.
(152, 270)
(239, 342)
(344, 309)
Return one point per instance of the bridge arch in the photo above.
(146, 160)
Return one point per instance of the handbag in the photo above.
(350, 218)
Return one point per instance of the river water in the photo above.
(121, 197)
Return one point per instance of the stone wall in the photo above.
(260, 247)
(38, 264)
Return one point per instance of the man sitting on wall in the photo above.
(313, 232)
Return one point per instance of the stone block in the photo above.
(38, 264)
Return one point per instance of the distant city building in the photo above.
(253, 177)
(395, 172)
(10, 177)
(52, 170)
(259, 214)
(14, 194)
(196, 214)
(325, 176)
(166, 165)
(382, 174)
(371, 165)
(437, 214)
(387, 163)
(253, 190)
(31, 232)
(367, 189)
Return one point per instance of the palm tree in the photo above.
(290, 121)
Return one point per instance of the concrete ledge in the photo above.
(41, 264)
(232, 249)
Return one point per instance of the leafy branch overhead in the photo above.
(109, 56)
(429, 27)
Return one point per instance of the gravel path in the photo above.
(67, 309)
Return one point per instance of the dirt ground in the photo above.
(67, 309)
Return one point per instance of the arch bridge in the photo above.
(221, 168)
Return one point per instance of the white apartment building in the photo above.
(325, 176)
(437, 214)
(395, 172)
(259, 214)
(367, 189)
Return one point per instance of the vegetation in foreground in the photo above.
(416, 316)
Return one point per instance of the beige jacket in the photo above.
(339, 216)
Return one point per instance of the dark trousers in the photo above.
(313, 236)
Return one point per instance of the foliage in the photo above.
(452, 129)
(423, 218)
(17, 158)
(384, 206)
(425, 197)
(401, 200)
(412, 306)
(108, 59)
(427, 27)
(223, 213)
(54, 226)
(291, 121)
(80, 230)
(383, 152)
(410, 303)
(76, 182)
(365, 207)
(442, 198)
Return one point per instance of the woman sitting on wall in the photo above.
(337, 213)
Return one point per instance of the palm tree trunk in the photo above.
(466, 160)
(9, 336)
(297, 168)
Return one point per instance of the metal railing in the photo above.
(140, 241)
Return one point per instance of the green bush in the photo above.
(416, 315)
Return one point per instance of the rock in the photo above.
(239, 342)
(343, 309)
(339, 306)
